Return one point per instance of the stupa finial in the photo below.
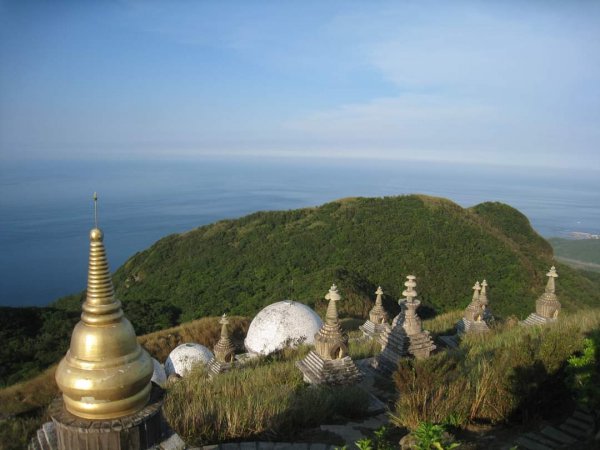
(410, 284)
(331, 317)
(483, 293)
(551, 285)
(95, 210)
(476, 289)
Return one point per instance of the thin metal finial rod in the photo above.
(95, 210)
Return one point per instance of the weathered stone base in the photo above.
(450, 341)
(421, 345)
(469, 326)
(372, 330)
(535, 319)
(394, 345)
(215, 367)
(139, 431)
(328, 371)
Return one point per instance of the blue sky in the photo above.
(494, 82)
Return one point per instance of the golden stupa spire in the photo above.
(105, 373)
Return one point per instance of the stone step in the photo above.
(577, 433)
(583, 416)
(558, 435)
(541, 439)
(584, 426)
(530, 444)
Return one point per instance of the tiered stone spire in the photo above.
(547, 305)
(329, 362)
(474, 319)
(378, 317)
(406, 336)
(224, 350)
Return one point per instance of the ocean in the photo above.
(46, 207)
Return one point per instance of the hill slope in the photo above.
(239, 266)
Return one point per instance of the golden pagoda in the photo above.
(105, 373)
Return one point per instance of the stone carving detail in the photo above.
(329, 362)
(378, 318)
(406, 336)
(547, 306)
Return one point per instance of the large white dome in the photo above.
(185, 356)
(281, 324)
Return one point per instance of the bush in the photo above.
(583, 373)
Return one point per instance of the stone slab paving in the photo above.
(530, 444)
(558, 436)
(541, 439)
(579, 427)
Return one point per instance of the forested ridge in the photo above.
(238, 266)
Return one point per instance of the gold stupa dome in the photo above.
(105, 373)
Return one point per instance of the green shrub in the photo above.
(432, 436)
(583, 373)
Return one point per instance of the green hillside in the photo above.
(239, 266)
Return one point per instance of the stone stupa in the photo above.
(224, 351)
(406, 336)
(329, 362)
(378, 318)
(547, 305)
(107, 398)
(473, 320)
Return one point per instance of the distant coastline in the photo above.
(579, 235)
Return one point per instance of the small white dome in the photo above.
(185, 356)
(281, 324)
(158, 375)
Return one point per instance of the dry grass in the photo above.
(443, 324)
(23, 405)
(267, 400)
(511, 373)
(205, 331)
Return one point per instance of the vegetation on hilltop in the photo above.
(239, 266)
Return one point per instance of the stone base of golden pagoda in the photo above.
(140, 431)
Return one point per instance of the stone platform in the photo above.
(142, 430)
(535, 319)
(317, 370)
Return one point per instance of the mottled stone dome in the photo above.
(159, 375)
(282, 324)
(185, 356)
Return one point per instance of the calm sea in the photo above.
(46, 209)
